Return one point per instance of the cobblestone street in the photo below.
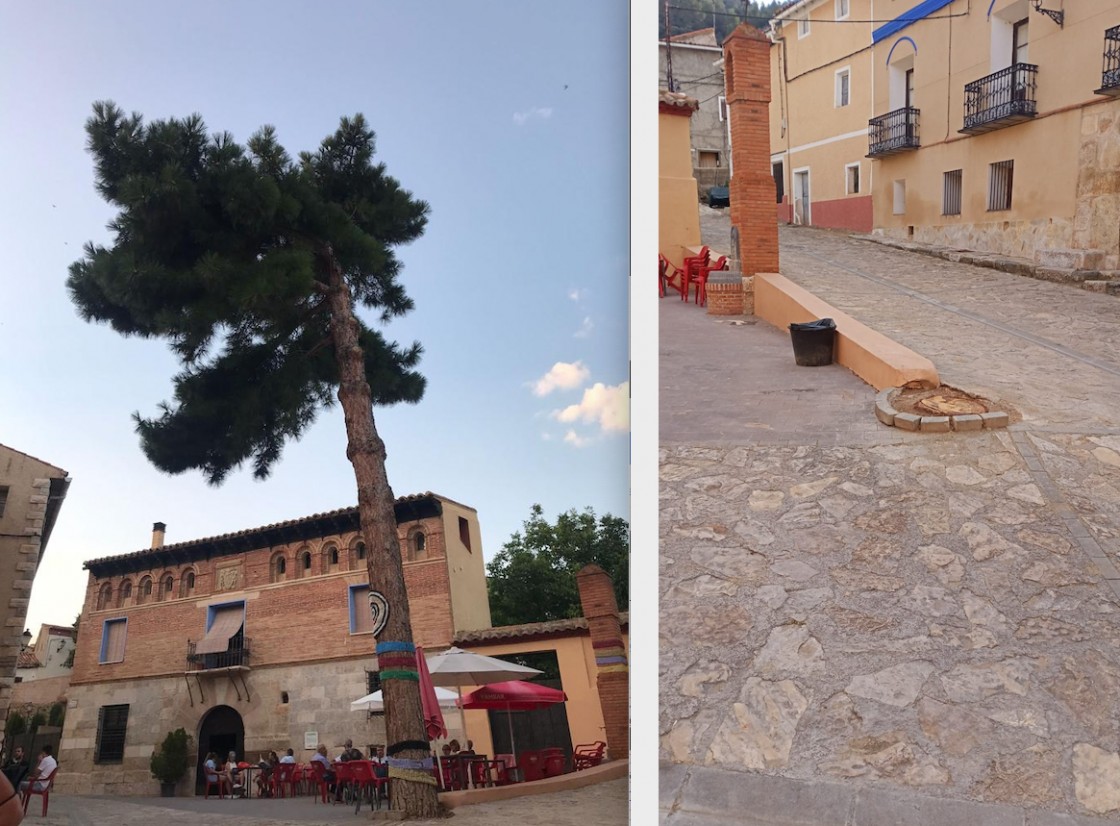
(863, 625)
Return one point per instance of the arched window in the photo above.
(186, 584)
(277, 568)
(361, 548)
(103, 596)
(357, 554)
(417, 545)
(331, 557)
(125, 594)
(167, 587)
(144, 592)
(305, 561)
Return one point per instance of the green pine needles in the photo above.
(224, 251)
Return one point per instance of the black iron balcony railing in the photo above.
(1110, 74)
(1000, 99)
(236, 655)
(893, 132)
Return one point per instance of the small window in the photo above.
(3, 499)
(186, 584)
(113, 636)
(104, 595)
(125, 597)
(843, 87)
(465, 532)
(722, 107)
(416, 546)
(841, 9)
(851, 179)
(373, 681)
(803, 27)
(277, 568)
(900, 197)
(112, 722)
(283, 699)
(951, 196)
(361, 550)
(707, 159)
(145, 591)
(361, 618)
(167, 587)
(332, 557)
(305, 560)
(1000, 177)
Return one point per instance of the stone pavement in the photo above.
(604, 804)
(861, 625)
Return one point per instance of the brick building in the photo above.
(252, 641)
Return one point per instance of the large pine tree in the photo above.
(249, 263)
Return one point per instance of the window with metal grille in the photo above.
(3, 499)
(951, 194)
(851, 179)
(373, 681)
(111, 724)
(1000, 176)
(843, 87)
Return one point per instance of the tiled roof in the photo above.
(340, 519)
(529, 629)
(677, 100)
(700, 37)
(27, 659)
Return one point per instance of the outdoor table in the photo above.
(245, 772)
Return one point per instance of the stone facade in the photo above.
(32, 493)
(293, 582)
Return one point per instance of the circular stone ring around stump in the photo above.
(886, 413)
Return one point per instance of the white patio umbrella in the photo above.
(456, 667)
(375, 702)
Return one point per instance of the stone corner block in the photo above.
(935, 424)
(907, 421)
(968, 421)
(995, 419)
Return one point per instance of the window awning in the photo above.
(227, 622)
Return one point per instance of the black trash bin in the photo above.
(813, 342)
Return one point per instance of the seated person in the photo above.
(39, 775)
(210, 769)
(380, 767)
(264, 777)
(16, 767)
(446, 750)
(349, 752)
(289, 757)
(320, 756)
(469, 749)
(233, 773)
(454, 745)
(11, 808)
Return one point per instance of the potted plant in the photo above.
(170, 761)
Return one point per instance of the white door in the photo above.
(801, 197)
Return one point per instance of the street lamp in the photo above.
(26, 640)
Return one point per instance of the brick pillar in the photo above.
(596, 596)
(746, 53)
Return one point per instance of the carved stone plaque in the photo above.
(229, 577)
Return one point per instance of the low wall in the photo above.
(878, 360)
(612, 770)
(843, 213)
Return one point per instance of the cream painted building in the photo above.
(994, 124)
(678, 226)
(822, 93)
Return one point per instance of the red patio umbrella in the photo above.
(515, 695)
(433, 716)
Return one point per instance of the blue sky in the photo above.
(510, 119)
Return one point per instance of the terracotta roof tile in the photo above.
(27, 659)
(677, 99)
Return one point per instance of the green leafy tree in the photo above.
(17, 724)
(249, 263)
(533, 577)
(57, 715)
(38, 720)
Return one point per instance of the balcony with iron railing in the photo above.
(1110, 74)
(236, 656)
(893, 132)
(1001, 99)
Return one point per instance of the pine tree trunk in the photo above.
(404, 719)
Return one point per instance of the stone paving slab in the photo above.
(604, 804)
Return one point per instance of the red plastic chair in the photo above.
(588, 755)
(670, 272)
(701, 279)
(318, 777)
(363, 783)
(220, 783)
(692, 265)
(284, 778)
(532, 765)
(45, 792)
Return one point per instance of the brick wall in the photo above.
(596, 596)
(299, 616)
(747, 73)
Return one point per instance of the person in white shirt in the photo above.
(288, 758)
(39, 775)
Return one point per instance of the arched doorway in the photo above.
(221, 731)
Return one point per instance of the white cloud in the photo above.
(576, 294)
(585, 328)
(562, 376)
(532, 113)
(575, 440)
(608, 406)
